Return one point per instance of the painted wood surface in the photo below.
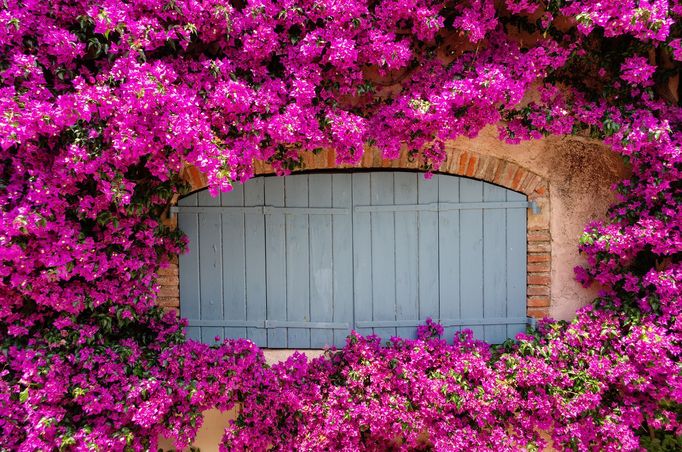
(299, 261)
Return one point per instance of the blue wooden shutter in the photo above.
(270, 261)
(449, 248)
(296, 262)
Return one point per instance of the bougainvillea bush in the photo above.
(103, 103)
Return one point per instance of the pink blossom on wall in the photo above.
(103, 103)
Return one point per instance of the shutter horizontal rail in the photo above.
(313, 325)
(435, 207)
(443, 322)
(227, 323)
(446, 206)
(265, 210)
(216, 209)
(270, 324)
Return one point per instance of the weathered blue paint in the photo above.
(298, 261)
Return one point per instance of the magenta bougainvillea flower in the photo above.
(103, 102)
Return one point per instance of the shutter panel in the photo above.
(428, 252)
(342, 255)
(406, 303)
(495, 281)
(382, 233)
(297, 241)
(516, 265)
(321, 265)
(234, 260)
(210, 267)
(471, 258)
(190, 307)
(464, 221)
(449, 254)
(275, 262)
(255, 273)
(362, 254)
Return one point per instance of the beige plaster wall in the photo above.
(211, 431)
(580, 173)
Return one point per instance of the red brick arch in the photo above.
(476, 165)
(479, 166)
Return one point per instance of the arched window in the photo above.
(299, 261)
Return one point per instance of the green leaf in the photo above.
(23, 395)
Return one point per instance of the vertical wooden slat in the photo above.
(298, 261)
(448, 254)
(427, 238)
(275, 261)
(494, 264)
(342, 252)
(406, 253)
(190, 306)
(210, 266)
(234, 261)
(321, 265)
(516, 263)
(254, 229)
(383, 253)
(471, 247)
(362, 252)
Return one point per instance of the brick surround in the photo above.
(484, 167)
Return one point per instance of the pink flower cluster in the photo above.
(463, 395)
(116, 380)
(102, 104)
(637, 71)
